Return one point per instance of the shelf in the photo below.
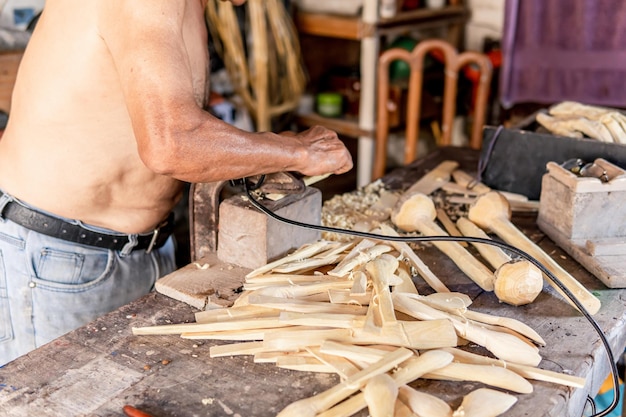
(369, 30)
(343, 126)
(342, 27)
(424, 14)
(353, 28)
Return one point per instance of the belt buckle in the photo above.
(155, 234)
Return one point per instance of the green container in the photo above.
(329, 104)
(399, 69)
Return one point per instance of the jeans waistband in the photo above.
(43, 223)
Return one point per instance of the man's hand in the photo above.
(324, 152)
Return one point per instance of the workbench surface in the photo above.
(99, 368)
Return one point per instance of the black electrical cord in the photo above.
(503, 245)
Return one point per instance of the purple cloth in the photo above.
(555, 50)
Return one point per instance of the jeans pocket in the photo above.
(6, 328)
(72, 271)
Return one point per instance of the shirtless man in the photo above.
(107, 120)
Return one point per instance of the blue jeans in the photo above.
(49, 286)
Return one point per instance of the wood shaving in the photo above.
(359, 207)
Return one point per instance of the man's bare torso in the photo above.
(69, 147)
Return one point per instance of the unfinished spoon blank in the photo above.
(423, 404)
(310, 407)
(417, 213)
(422, 269)
(485, 402)
(503, 345)
(409, 371)
(380, 394)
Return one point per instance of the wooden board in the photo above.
(97, 369)
(207, 283)
(610, 269)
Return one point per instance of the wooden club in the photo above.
(491, 211)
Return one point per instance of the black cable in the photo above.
(591, 403)
(502, 245)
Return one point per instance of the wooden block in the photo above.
(586, 217)
(205, 284)
(249, 238)
(582, 208)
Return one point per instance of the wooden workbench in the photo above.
(97, 369)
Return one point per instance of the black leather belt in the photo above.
(55, 227)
